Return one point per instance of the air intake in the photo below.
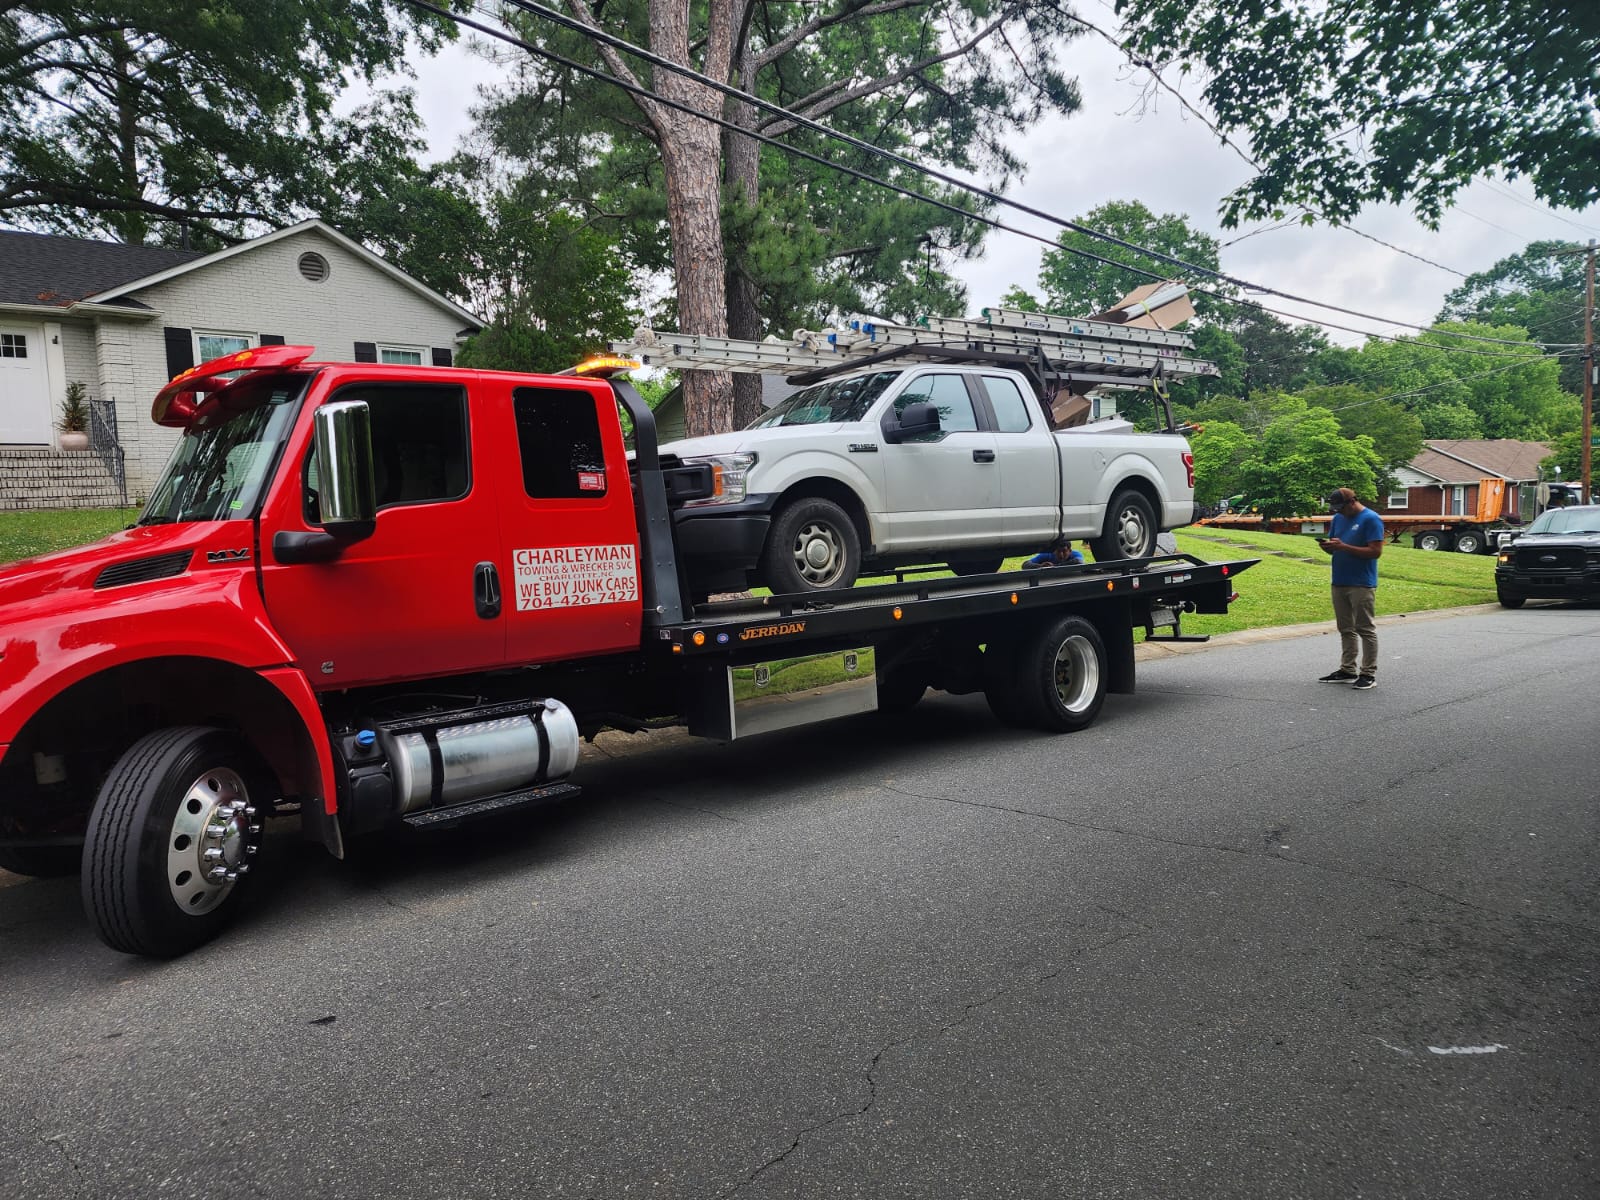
(143, 570)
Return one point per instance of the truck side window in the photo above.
(949, 394)
(1009, 404)
(419, 443)
(558, 433)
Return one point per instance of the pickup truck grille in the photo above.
(1550, 558)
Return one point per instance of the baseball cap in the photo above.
(1339, 497)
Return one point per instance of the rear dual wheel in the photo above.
(1053, 678)
(171, 840)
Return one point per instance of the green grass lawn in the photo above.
(1288, 587)
(25, 534)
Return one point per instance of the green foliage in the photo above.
(1372, 100)
(1221, 448)
(1076, 286)
(1540, 290)
(118, 115)
(1302, 456)
(1513, 392)
(1566, 452)
(74, 408)
(1396, 433)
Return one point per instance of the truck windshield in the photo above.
(837, 400)
(1567, 520)
(218, 469)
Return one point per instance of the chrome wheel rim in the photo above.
(819, 554)
(212, 840)
(1077, 674)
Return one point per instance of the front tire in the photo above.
(171, 840)
(1130, 529)
(1507, 600)
(812, 547)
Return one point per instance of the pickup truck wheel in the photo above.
(976, 566)
(1061, 675)
(1469, 542)
(1507, 600)
(171, 839)
(40, 861)
(812, 547)
(1130, 529)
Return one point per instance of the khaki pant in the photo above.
(1353, 613)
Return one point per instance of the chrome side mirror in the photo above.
(347, 496)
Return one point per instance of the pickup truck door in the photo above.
(402, 603)
(1030, 471)
(942, 489)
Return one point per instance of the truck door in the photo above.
(1030, 496)
(409, 600)
(942, 489)
(571, 544)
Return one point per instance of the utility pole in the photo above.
(1589, 366)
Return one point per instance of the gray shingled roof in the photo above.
(1461, 460)
(41, 268)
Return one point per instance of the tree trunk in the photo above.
(743, 158)
(691, 162)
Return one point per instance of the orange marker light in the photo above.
(897, 613)
(1013, 597)
(1111, 584)
(699, 638)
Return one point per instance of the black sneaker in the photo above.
(1340, 677)
(1363, 682)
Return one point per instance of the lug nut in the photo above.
(250, 850)
(213, 854)
(216, 831)
(217, 874)
(250, 810)
(244, 869)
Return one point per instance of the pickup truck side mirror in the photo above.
(917, 417)
(347, 494)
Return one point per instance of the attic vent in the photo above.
(313, 267)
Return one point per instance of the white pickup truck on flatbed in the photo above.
(928, 453)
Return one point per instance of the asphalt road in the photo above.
(1248, 936)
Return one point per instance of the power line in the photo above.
(618, 43)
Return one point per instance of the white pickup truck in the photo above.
(920, 463)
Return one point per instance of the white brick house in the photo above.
(125, 319)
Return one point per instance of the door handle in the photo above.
(983, 456)
(486, 590)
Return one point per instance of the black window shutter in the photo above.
(180, 350)
(441, 358)
(272, 339)
(366, 351)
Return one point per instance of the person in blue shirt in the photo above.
(1355, 540)
(1060, 554)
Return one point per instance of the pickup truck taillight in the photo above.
(1188, 466)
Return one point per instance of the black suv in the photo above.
(1558, 557)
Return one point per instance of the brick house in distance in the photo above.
(1443, 480)
(122, 320)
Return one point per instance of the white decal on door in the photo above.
(568, 576)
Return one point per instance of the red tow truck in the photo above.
(378, 595)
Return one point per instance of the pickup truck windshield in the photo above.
(217, 471)
(837, 400)
(1568, 520)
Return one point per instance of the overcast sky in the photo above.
(1110, 150)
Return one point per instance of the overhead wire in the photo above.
(592, 32)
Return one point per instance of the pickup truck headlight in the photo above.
(729, 473)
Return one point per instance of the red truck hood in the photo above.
(132, 556)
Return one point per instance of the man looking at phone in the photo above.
(1355, 540)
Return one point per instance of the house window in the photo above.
(1458, 500)
(208, 345)
(558, 434)
(1398, 500)
(406, 356)
(13, 345)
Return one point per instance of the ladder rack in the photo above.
(1093, 353)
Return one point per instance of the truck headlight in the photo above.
(729, 476)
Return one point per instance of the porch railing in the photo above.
(103, 441)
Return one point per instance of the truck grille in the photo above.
(1550, 558)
